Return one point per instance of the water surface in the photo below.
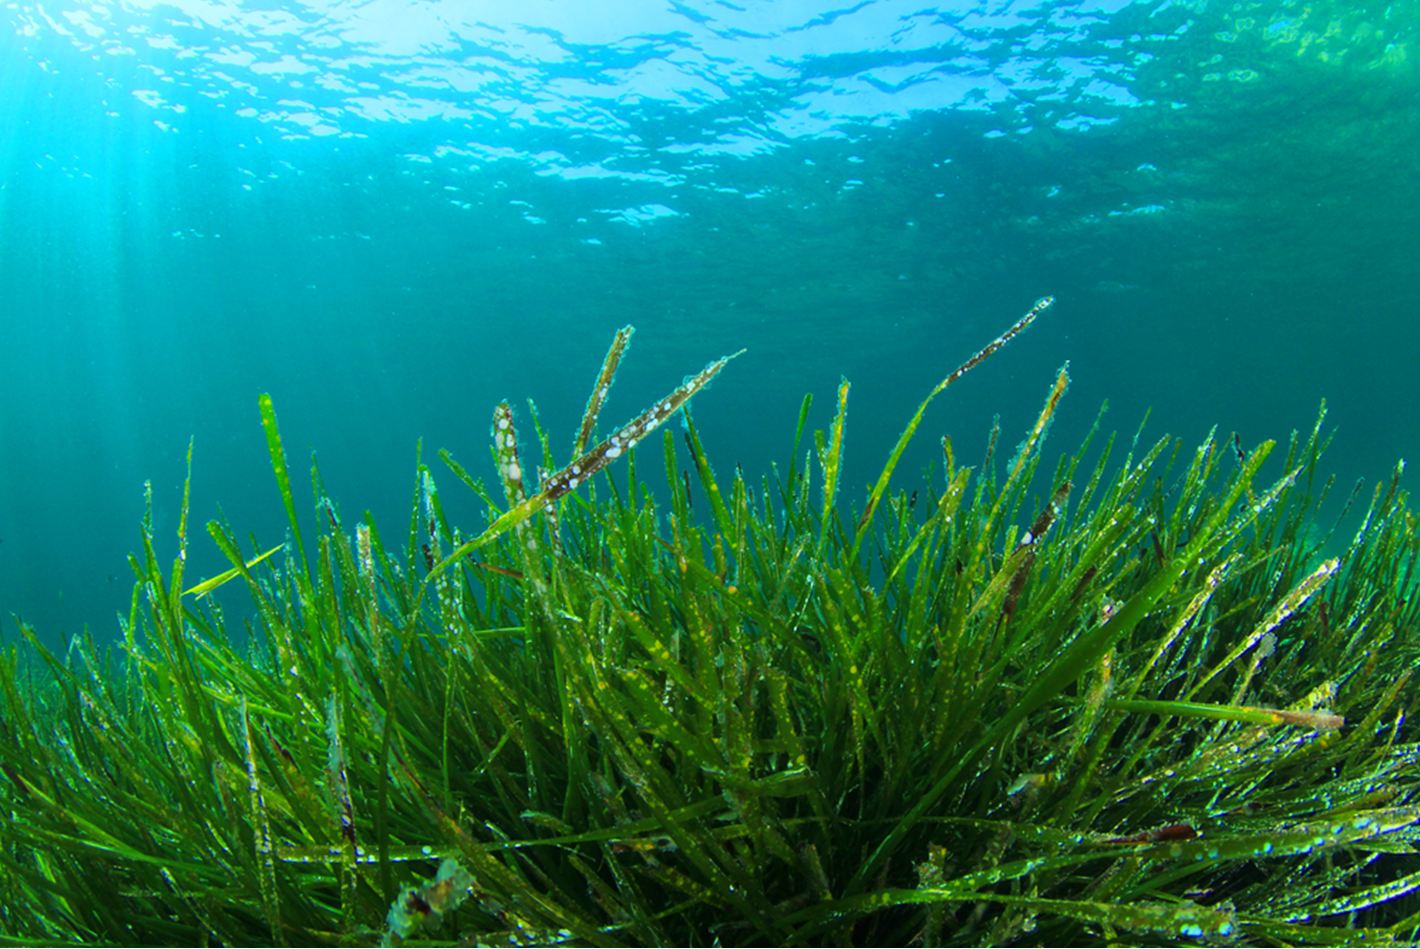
(392, 214)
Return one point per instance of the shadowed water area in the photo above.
(392, 215)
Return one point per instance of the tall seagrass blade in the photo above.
(881, 485)
(599, 391)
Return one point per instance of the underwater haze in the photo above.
(392, 214)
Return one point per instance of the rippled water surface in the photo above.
(392, 214)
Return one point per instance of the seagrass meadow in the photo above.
(1141, 694)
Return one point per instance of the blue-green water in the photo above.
(391, 214)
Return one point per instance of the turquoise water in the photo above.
(391, 215)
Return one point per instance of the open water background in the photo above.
(391, 214)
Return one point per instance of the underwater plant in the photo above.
(1142, 701)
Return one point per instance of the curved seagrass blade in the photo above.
(211, 583)
(880, 487)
